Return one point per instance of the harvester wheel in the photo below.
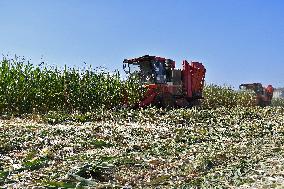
(195, 103)
(182, 103)
(165, 100)
(261, 103)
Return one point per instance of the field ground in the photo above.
(222, 148)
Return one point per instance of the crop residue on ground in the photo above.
(239, 147)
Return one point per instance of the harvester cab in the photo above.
(263, 95)
(151, 70)
(167, 86)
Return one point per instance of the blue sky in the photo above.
(238, 41)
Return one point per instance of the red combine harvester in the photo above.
(263, 95)
(166, 86)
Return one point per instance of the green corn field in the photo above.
(26, 88)
(222, 96)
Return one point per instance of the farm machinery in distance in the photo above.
(263, 95)
(165, 85)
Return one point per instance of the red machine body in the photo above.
(165, 85)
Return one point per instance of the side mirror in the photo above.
(124, 68)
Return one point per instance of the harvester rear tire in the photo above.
(195, 103)
(165, 100)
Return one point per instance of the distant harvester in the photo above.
(263, 94)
